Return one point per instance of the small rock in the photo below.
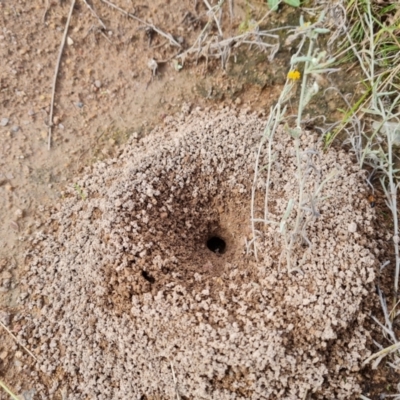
(7, 275)
(29, 394)
(152, 64)
(5, 318)
(79, 104)
(7, 284)
(352, 228)
(3, 355)
(18, 365)
(4, 121)
(15, 129)
(23, 296)
(97, 83)
(18, 213)
(14, 226)
(70, 42)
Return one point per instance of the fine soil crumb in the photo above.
(125, 301)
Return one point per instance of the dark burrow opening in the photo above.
(216, 245)
(148, 277)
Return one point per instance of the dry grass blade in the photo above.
(15, 338)
(46, 11)
(380, 354)
(130, 15)
(210, 10)
(8, 391)
(64, 38)
(175, 382)
(94, 14)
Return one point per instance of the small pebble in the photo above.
(352, 227)
(23, 296)
(5, 318)
(15, 129)
(70, 42)
(4, 121)
(14, 226)
(79, 104)
(97, 84)
(18, 213)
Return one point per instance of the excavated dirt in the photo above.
(125, 300)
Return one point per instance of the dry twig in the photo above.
(212, 13)
(8, 391)
(175, 382)
(15, 338)
(95, 14)
(45, 11)
(130, 15)
(64, 38)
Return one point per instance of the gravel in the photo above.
(124, 295)
(4, 122)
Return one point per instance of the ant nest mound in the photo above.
(141, 285)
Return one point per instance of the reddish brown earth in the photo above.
(106, 94)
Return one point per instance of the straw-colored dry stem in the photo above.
(64, 38)
(13, 336)
(8, 391)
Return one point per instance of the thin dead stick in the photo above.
(15, 338)
(45, 11)
(64, 38)
(96, 29)
(214, 16)
(94, 14)
(175, 382)
(8, 391)
(231, 12)
(263, 18)
(382, 353)
(159, 31)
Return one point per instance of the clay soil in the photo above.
(106, 93)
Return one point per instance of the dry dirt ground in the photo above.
(106, 92)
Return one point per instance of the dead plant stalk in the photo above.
(64, 38)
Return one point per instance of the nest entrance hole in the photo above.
(216, 245)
